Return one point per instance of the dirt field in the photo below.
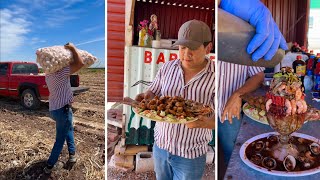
(115, 174)
(26, 137)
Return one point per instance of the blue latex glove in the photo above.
(268, 38)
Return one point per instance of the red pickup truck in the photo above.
(23, 80)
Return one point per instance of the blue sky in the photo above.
(26, 25)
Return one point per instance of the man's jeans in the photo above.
(64, 132)
(227, 136)
(168, 166)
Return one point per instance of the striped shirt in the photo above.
(232, 77)
(178, 139)
(59, 88)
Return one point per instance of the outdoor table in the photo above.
(237, 169)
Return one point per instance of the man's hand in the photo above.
(232, 108)
(77, 63)
(69, 46)
(202, 122)
(146, 95)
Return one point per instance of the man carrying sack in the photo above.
(60, 100)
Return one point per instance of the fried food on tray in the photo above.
(258, 102)
(174, 107)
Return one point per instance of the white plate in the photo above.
(274, 172)
(262, 120)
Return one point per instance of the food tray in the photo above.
(153, 117)
(261, 119)
(275, 172)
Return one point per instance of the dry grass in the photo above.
(27, 137)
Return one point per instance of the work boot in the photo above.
(48, 169)
(72, 158)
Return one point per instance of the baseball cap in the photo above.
(193, 34)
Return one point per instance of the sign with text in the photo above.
(160, 58)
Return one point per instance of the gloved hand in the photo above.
(268, 38)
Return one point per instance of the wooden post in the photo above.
(129, 15)
(123, 134)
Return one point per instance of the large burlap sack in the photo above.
(234, 35)
(54, 58)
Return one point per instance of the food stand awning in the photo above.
(172, 14)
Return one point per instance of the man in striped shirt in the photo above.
(234, 80)
(60, 100)
(180, 149)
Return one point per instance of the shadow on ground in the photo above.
(32, 171)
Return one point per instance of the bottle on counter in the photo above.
(311, 53)
(310, 63)
(295, 47)
(299, 67)
(317, 83)
(303, 49)
(307, 53)
(308, 82)
(316, 65)
(317, 76)
(315, 61)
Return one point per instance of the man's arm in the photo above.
(251, 84)
(203, 122)
(146, 95)
(233, 105)
(77, 60)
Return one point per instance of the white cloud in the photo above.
(13, 30)
(90, 29)
(91, 41)
(63, 6)
(37, 4)
(54, 13)
(69, 3)
(57, 20)
(58, 14)
(98, 3)
(19, 19)
(16, 10)
(36, 40)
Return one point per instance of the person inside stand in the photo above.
(179, 150)
(60, 100)
(235, 80)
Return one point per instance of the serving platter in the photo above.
(246, 160)
(253, 114)
(152, 115)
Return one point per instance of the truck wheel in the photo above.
(29, 99)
